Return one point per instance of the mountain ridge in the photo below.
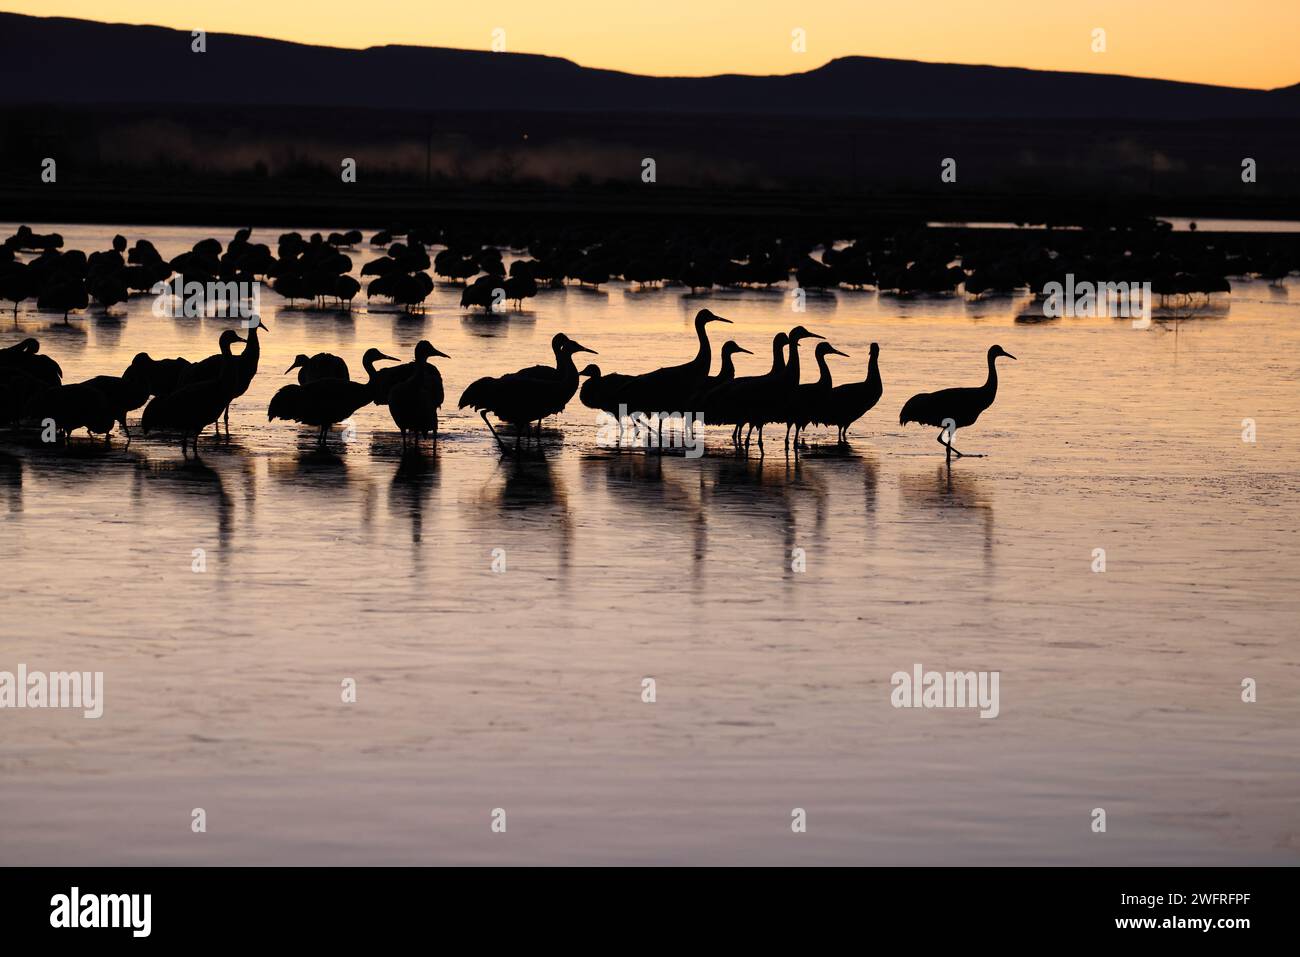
(117, 64)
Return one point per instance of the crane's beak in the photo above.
(1007, 354)
(578, 348)
(744, 350)
(836, 352)
(438, 352)
(718, 319)
(295, 365)
(389, 358)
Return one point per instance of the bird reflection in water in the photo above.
(524, 496)
(319, 477)
(414, 481)
(187, 484)
(957, 503)
(11, 481)
(667, 494)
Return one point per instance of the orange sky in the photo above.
(1248, 43)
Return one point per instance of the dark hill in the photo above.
(80, 62)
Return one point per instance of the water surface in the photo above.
(522, 690)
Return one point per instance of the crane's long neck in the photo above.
(792, 367)
(991, 383)
(565, 366)
(728, 370)
(824, 379)
(704, 355)
(778, 358)
(252, 349)
(229, 363)
(873, 372)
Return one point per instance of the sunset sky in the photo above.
(1248, 43)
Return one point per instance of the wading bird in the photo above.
(413, 403)
(243, 371)
(729, 403)
(671, 388)
(122, 394)
(776, 401)
(321, 402)
(529, 395)
(72, 407)
(383, 380)
(809, 401)
(601, 392)
(192, 407)
(727, 373)
(849, 402)
(953, 409)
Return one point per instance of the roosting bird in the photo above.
(72, 407)
(323, 365)
(321, 402)
(953, 409)
(160, 376)
(25, 357)
(529, 395)
(123, 394)
(849, 402)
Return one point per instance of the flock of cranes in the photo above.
(182, 398)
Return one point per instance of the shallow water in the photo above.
(522, 690)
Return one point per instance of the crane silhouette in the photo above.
(809, 401)
(671, 388)
(192, 407)
(951, 409)
(726, 373)
(26, 357)
(413, 403)
(321, 402)
(529, 395)
(243, 370)
(732, 402)
(323, 365)
(849, 402)
(603, 393)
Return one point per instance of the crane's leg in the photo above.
(948, 445)
(435, 429)
(493, 431)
